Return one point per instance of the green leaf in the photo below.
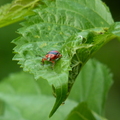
(92, 86)
(23, 99)
(97, 117)
(70, 27)
(82, 112)
(115, 29)
(16, 11)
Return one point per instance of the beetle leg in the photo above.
(53, 63)
(43, 59)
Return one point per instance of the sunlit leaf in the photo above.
(75, 28)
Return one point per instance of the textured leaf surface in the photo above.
(16, 11)
(66, 26)
(23, 99)
(92, 86)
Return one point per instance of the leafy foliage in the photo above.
(75, 28)
(24, 98)
(92, 85)
(16, 11)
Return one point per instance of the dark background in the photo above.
(109, 55)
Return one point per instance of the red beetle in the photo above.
(52, 56)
